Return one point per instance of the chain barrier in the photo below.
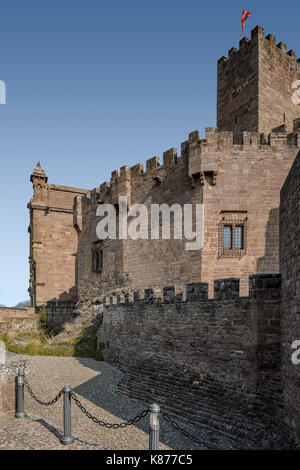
(95, 420)
(124, 424)
(45, 403)
(185, 433)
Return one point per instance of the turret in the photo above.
(39, 180)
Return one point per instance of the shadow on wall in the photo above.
(66, 296)
(70, 295)
(270, 261)
(61, 309)
(102, 391)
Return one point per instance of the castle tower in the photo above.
(54, 227)
(255, 86)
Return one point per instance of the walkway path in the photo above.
(95, 384)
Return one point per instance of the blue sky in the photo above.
(93, 85)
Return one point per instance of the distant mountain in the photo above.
(25, 303)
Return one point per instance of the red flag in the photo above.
(245, 15)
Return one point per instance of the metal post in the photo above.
(67, 438)
(154, 427)
(20, 395)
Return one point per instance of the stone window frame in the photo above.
(97, 250)
(233, 221)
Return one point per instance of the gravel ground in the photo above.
(95, 384)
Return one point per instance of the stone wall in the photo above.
(279, 69)
(237, 103)
(8, 373)
(17, 320)
(138, 263)
(59, 313)
(215, 363)
(246, 187)
(290, 269)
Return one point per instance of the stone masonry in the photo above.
(255, 86)
(213, 362)
(290, 269)
(235, 183)
(17, 320)
(53, 241)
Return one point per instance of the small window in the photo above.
(238, 237)
(232, 237)
(228, 237)
(97, 259)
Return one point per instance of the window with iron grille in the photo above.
(238, 236)
(228, 237)
(232, 237)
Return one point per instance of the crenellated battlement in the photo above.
(245, 44)
(224, 350)
(222, 141)
(215, 141)
(121, 180)
(261, 287)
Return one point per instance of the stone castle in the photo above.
(236, 172)
(206, 332)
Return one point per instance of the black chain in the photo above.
(185, 432)
(95, 420)
(46, 403)
(108, 425)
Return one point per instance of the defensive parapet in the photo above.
(222, 141)
(122, 181)
(199, 354)
(204, 153)
(215, 143)
(246, 43)
(261, 287)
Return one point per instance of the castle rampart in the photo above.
(209, 361)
